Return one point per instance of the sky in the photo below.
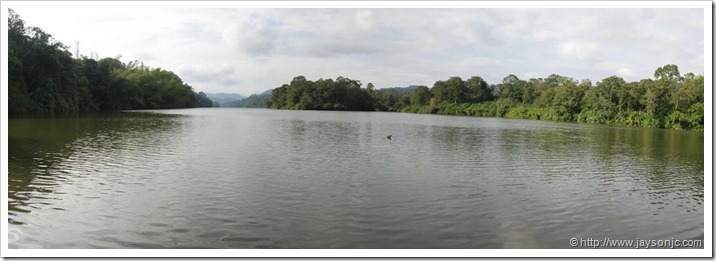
(250, 50)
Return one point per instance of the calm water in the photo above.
(252, 178)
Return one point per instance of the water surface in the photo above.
(254, 178)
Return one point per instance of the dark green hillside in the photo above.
(44, 79)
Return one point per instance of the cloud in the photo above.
(329, 33)
(577, 50)
(694, 64)
(364, 19)
(626, 72)
(621, 69)
(200, 75)
(530, 75)
(196, 31)
(340, 47)
(147, 57)
(250, 50)
(253, 36)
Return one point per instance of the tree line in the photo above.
(253, 101)
(339, 94)
(44, 79)
(670, 100)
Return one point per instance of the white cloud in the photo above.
(364, 19)
(328, 33)
(209, 74)
(625, 72)
(250, 50)
(618, 68)
(252, 36)
(530, 75)
(694, 65)
(577, 50)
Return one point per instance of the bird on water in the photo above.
(389, 137)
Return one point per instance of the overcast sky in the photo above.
(248, 51)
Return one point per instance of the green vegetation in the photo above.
(253, 101)
(44, 79)
(668, 101)
(341, 94)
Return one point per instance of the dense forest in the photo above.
(670, 100)
(341, 94)
(44, 79)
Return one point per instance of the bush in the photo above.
(696, 116)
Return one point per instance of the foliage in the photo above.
(201, 100)
(253, 101)
(340, 94)
(668, 101)
(44, 79)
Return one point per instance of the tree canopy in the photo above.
(670, 100)
(339, 94)
(44, 78)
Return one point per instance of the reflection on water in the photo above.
(46, 152)
(237, 178)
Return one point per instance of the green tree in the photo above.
(456, 90)
(478, 89)
(690, 92)
(202, 101)
(277, 100)
(668, 72)
(512, 88)
(440, 92)
(420, 96)
(45, 79)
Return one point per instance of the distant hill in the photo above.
(253, 101)
(399, 89)
(234, 99)
(266, 92)
(225, 98)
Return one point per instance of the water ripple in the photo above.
(283, 179)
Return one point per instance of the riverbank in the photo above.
(676, 120)
(670, 100)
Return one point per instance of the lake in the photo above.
(257, 178)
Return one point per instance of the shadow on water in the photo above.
(38, 146)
